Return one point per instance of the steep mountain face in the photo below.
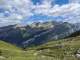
(16, 34)
(37, 33)
(59, 31)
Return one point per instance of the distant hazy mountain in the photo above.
(37, 33)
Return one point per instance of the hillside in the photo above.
(65, 49)
(7, 51)
(55, 50)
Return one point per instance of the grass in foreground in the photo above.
(54, 50)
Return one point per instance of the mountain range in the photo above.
(37, 33)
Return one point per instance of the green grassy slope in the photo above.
(54, 50)
(59, 50)
(8, 51)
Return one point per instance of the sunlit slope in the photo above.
(55, 50)
(10, 52)
(59, 50)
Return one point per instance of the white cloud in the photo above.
(19, 9)
(55, 10)
(74, 1)
(70, 12)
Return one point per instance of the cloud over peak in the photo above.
(14, 11)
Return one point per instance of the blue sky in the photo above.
(60, 2)
(37, 1)
(24, 11)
